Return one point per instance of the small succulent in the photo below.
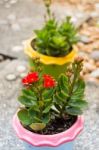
(43, 98)
(55, 39)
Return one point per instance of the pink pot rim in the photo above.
(48, 140)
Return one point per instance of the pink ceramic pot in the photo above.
(61, 141)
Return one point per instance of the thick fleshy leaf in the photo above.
(46, 118)
(26, 101)
(37, 126)
(63, 83)
(47, 109)
(73, 110)
(24, 117)
(79, 103)
(48, 93)
(28, 92)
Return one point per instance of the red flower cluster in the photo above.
(30, 78)
(49, 82)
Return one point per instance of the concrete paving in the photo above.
(17, 20)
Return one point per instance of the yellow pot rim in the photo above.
(49, 59)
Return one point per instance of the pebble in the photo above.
(84, 39)
(15, 27)
(94, 14)
(89, 67)
(3, 22)
(7, 5)
(74, 20)
(24, 42)
(80, 15)
(95, 55)
(17, 48)
(13, 1)
(11, 77)
(97, 63)
(11, 17)
(95, 73)
(97, 5)
(90, 79)
(21, 68)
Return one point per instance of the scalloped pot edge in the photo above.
(48, 140)
(49, 59)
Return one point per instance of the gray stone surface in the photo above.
(8, 106)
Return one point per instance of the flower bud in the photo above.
(47, 2)
(68, 74)
(79, 59)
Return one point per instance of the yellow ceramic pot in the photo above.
(52, 65)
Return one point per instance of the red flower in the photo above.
(30, 78)
(49, 82)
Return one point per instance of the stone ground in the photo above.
(17, 20)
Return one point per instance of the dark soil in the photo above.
(57, 126)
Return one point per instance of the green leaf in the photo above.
(48, 93)
(59, 98)
(80, 85)
(24, 117)
(73, 110)
(63, 94)
(47, 109)
(28, 92)
(32, 112)
(26, 101)
(79, 103)
(46, 118)
(35, 108)
(37, 126)
(63, 83)
(37, 119)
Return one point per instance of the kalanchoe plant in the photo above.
(45, 100)
(55, 39)
(37, 110)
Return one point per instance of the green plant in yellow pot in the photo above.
(54, 44)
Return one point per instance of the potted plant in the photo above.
(50, 115)
(54, 44)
